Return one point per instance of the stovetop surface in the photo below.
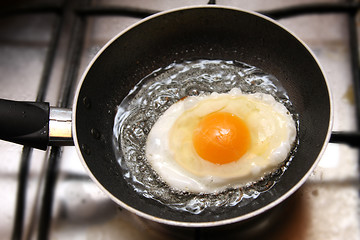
(326, 207)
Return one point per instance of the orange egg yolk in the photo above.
(221, 138)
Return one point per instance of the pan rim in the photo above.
(200, 224)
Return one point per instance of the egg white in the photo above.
(170, 151)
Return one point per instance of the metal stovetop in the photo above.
(46, 45)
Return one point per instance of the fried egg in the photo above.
(208, 143)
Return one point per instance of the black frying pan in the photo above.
(198, 33)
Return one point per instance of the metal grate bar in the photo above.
(27, 151)
(31, 9)
(352, 138)
(21, 193)
(321, 8)
(73, 61)
(354, 46)
(69, 80)
(354, 49)
(50, 58)
(114, 10)
(49, 189)
(107, 11)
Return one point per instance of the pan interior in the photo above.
(154, 94)
(190, 34)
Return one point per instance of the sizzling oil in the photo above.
(154, 94)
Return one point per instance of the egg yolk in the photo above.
(221, 138)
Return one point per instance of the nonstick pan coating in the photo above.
(199, 33)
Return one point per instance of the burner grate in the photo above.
(79, 14)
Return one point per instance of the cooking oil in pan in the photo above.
(154, 94)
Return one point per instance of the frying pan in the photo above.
(203, 32)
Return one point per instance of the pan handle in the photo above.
(34, 124)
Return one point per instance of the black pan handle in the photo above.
(25, 123)
(35, 124)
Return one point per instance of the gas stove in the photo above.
(46, 46)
